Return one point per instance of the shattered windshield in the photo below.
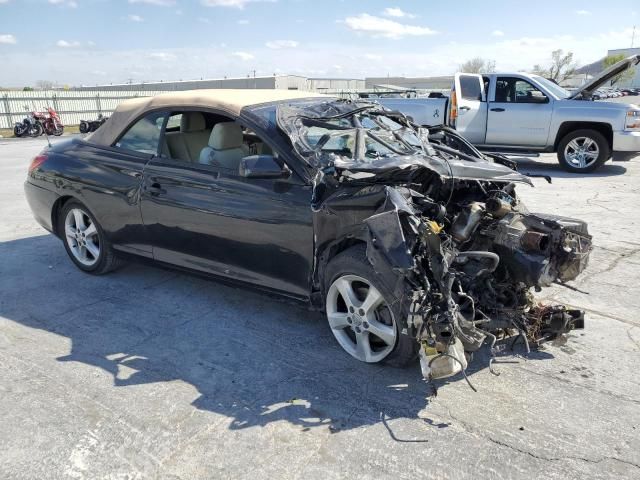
(348, 131)
(360, 136)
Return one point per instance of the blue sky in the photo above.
(104, 41)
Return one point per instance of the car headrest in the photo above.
(192, 122)
(225, 135)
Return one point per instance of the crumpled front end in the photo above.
(473, 268)
(445, 230)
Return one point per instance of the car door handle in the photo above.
(464, 107)
(497, 109)
(155, 189)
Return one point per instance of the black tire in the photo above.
(597, 137)
(59, 131)
(353, 261)
(18, 131)
(36, 130)
(84, 126)
(107, 260)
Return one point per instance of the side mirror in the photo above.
(538, 99)
(261, 166)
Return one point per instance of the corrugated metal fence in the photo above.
(72, 106)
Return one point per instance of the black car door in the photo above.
(209, 218)
(112, 179)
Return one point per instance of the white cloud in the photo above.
(164, 56)
(240, 4)
(178, 12)
(204, 20)
(159, 3)
(243, 22)
(243, 56)
(278, 44)
(3, 1)
(383, 27)
(397, 13)
(497, 33)
(583, 13)
(64, 3)
(66, 44)
(135, 18)
(439, 56)
(7, 39)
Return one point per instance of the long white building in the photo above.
(279, 82)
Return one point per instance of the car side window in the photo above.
(516, 90)
(470, 87)
(144, 135)
(526, 92)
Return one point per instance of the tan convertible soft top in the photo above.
(230, 101)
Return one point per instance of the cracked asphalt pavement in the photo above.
(148, 373)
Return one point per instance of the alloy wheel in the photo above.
(360, 319)
(82, 237)
(582, 152)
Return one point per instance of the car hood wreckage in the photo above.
(448, 237)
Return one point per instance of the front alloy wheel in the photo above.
(582, 152)
(360, 319)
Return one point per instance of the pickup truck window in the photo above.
(516, 90)
(470, 87)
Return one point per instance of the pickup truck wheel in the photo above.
(360, 315)
(583, 151)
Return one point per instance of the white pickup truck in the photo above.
(521, 112)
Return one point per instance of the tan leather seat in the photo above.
(193, 136)
(225, 146)
(194, 129)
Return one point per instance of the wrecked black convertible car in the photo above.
(412, 241)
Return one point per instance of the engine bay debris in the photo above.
(443, 226)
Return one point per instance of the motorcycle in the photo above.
(29, 127)
(39, 118)
(52, 123)
(87, 126)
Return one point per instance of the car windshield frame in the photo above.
(329, 131)
(556, 90)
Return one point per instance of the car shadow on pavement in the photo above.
(251, 358)
(531, 166)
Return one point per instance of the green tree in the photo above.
(27, 89)
(612, 60)
(562, 67)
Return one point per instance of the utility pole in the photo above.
(633, 36)
(254, 80)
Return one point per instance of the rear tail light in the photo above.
(37, 162)
(453, 116)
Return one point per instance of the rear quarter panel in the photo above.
(106, 180)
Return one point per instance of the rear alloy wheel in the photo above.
(82, 237)
(583, 151)
(85, 241)
(360, 320)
